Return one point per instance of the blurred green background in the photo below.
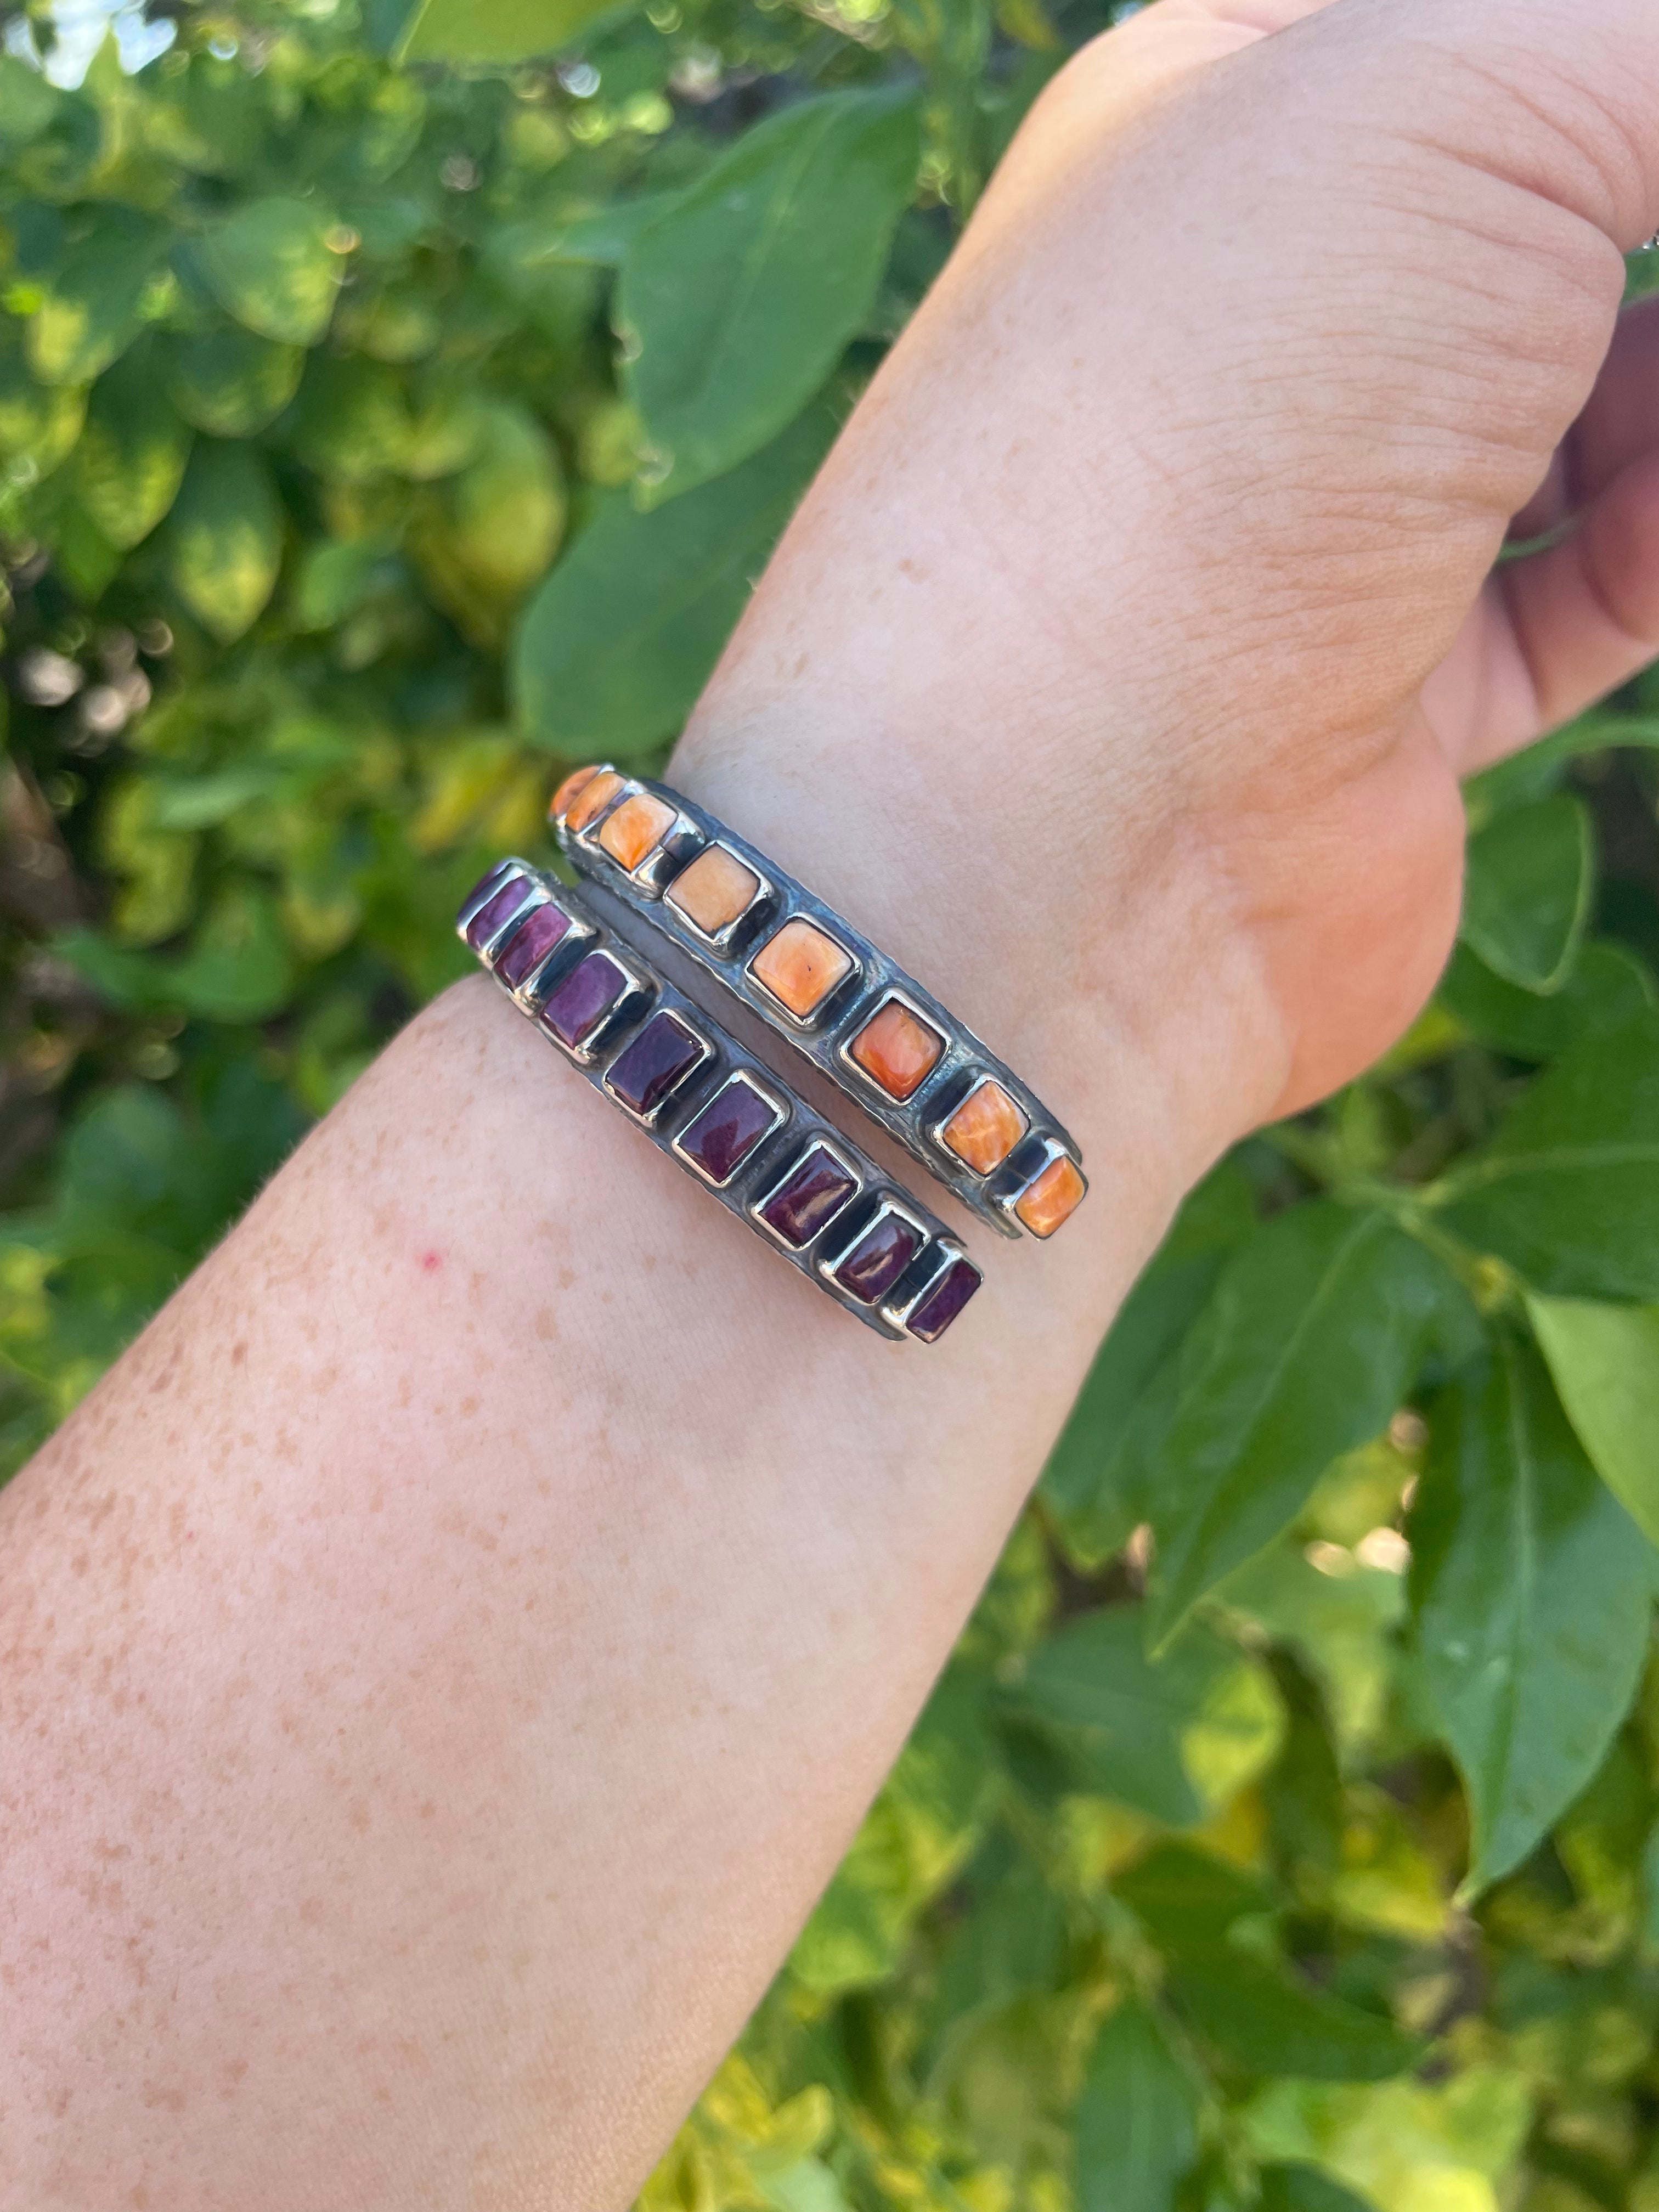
(396, 405)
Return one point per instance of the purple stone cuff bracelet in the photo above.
(782, 1169)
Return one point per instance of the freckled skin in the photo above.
(431, 1696)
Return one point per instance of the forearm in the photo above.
(445, 1658)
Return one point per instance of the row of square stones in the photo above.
(801, 967)
(517, 928)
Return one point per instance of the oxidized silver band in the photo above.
(784, 1171)
(887, 1043)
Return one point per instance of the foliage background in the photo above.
(385, 424)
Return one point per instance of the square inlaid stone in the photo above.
(542, 929)
(898, 1049)
(592, 798)
(637, 827)
(801, 965)
(934, 1313)
(496, 910)
(985, 1128)
(714, 891)
(584, 999)
(879, 1257)
(654, 1063)
(567, 790)
(722, 1135)
(812, 1195)
(1052, 1198)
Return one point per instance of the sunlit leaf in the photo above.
(130, 459)
(231, 382)
(271, 266)
(225, 538)
(93, 308)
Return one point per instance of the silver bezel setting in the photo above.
(888, 1209)
(626, 1011)
(1009, 1184)
(763, 1091)
(653, 1114)
(766, 1000)
(823, 1036)
(920, 1279)
(723, 939)
(893, 997)
(947, 1114)
(865, 1176)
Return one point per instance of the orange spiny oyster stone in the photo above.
(801, 965)
(567, 790)
(637, 827)
(594, 796)
(985, 1128)
(714, 891)
(898, 1049)
(1052, 1198)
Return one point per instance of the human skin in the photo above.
(440, 1664)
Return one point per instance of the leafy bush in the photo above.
(379, 435)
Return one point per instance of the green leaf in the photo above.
(231, 382)
(1187, 1899)
(269, 265)
(1259, 2018)
(742, 299)
(1605, 1362)
(1297, 2188)
(93, 308)
(130, 459)
(598, 240)
(240, 968)
(613, 649)
(1527, 891)
(505, 31)
(1531, 1588)
(1567, 1193)
(1171, 1737)
(1096, 1484)
(225, 538)
(1136, 2131)
(485, 535)
(1309, 1343)
(39, 422)
(1536, 770)
(1609, 987)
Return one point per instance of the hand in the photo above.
(1166, 537)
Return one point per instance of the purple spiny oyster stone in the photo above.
(531, 942)
(935, 1313)
(814, 1192)
(582, 1000)
(647, 1068)
(495, 911)
(720, 1138)
(879, 1258)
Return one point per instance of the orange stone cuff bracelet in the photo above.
(720, 1114)
(873, 1031)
